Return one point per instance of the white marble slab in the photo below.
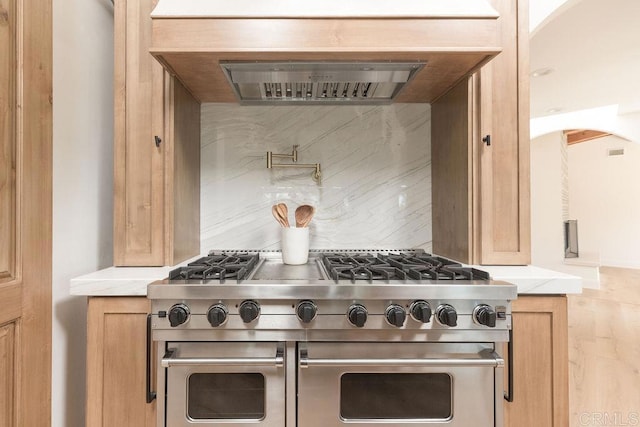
(535, 280)
(376, 164)
(133, 281)
(117, 281)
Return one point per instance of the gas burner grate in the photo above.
(420, 273)
(410, 261)
(217, 266)
(357, 267)
(465, 273)
(404, 265)
(370, 273)
(354, 260)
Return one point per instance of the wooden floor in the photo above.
(604, 351)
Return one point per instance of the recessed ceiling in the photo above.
(594, 49)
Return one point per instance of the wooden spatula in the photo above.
(304, 213)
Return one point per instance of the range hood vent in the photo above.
(329, 51)
(280, 83)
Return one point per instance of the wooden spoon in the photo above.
(283, 211)
(304, 213)
(276, 215)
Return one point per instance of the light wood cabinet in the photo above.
(541, 363)
(156, 152)
(8, 53)
(480, 155)
(116, 363)
(25, 212)
(7, 374)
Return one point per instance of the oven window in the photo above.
(384, 396)
(226, 396)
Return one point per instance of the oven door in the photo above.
(399, 384)
(225, 384)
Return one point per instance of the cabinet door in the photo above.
(7, 377)
(157, 150)
(481, 189)
(541, 363)
(503, 228)
(139, 118)
(25, 212)
(116, 363)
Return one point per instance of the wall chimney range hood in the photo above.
(322, 52)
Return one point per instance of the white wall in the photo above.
(547, 234)
(604, 196)
(550, 207)
(543, 11)
(82, 184)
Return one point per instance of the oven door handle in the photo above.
(488, 359)
(169, 360)
(151, 395)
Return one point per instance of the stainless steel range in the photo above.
(372, 338)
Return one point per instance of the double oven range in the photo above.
(372, 338)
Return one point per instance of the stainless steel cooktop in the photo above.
(328, 274)
(338, 294)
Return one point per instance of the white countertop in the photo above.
(323, 9)
(133, 281)
(535, 280)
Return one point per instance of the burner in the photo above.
(419, 272)
(411, 260)
(217, 266)
(360, 267)
(416, 265)
(353, 260)
(378, 272)
(465, 273)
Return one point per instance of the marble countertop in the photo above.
(133, 281)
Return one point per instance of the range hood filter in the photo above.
(286, 83)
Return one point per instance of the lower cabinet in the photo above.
(116, 363)
(541, 363)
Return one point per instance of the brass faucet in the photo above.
(316, 175)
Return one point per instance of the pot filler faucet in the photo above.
(316, 175)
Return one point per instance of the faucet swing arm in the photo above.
(316, 175)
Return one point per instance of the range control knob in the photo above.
(421, 311)
(306, 311)
(395, 315)
(485, 315)
(249, 311)
(178, 314)
(447, 315)
(357, 315)
(217, 315)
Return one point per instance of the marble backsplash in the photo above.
(375, 190)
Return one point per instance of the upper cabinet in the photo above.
(503, 170)
(480, 154)
(157, 150)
